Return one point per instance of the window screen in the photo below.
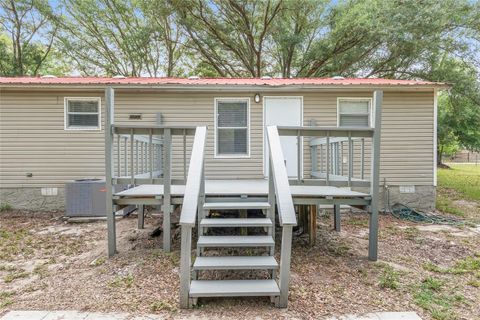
(82, 114)
(354, 113)
(232, 127)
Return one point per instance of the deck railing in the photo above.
(193, 200)
(142, 152)
(279, 194)
(138, 156)
(328, 145)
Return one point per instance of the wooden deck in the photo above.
(258, 187)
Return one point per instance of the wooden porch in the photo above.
(145, 163)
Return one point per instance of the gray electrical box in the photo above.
(86, 198)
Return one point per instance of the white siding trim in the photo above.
(65, 113)
(435, 126)
(370, 108)
(231, 156)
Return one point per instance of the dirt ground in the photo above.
(46, 263)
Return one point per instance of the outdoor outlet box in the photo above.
(407, 189)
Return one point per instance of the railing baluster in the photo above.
(141, 157)
(132, 173)
(125, 156)
(150, 147)
(137, 156)
(341, 158)
(321, 158)
(145, 157)
(362, 160)
(350, 158)
(119, 170)
(299, 156)
(184, 155)
(327, 180)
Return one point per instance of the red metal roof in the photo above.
(273, 82)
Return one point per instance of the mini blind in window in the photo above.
(82, 114)
(354, 113)
(232, 127)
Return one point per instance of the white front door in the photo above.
(283, 111)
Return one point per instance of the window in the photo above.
(354, 112)
(82, 114)
(232, 127)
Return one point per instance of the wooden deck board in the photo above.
(257, 187)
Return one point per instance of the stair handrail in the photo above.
(278, 180)
(192, 201)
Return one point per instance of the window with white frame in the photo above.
(82, 114)
(354, 112)
(232, 127)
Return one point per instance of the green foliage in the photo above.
(162, 306)
(430, 297)
(26, 39)
(469, 264)
(389, 278)
(5, 206)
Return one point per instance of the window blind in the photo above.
(354, 113)
(232, 127)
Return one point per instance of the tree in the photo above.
(296, 28)
(116, 37)
(230, 35)
(28, 36)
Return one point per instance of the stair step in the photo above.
(233, 288)
(235, 263)
(236, 222)
(235, 241)
(235, 205)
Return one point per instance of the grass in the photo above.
(464, 179)
(162, 306)
(430, 296)
(15, 275)
(5, 207)
(126, 282)
(389, 278)
(461, 182)
(5, 299)
(469, 264)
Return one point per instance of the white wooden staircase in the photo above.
(192, 283)
(224, 288)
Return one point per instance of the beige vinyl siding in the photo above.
(406, 141)
(33, 139)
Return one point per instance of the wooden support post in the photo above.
(337, 218)
(375, 177)
(312, 218)
(141, 216)
(185, 265)
(167, 181)
(109, 121)
(285, 260)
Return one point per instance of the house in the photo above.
(224, 144)
(52, 128)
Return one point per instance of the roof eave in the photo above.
(236, 87)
